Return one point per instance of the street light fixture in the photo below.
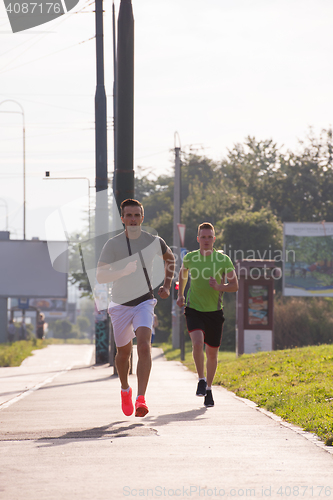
(24, 190)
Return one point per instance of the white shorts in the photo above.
(126, 320)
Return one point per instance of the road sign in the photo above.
(183, 252)
(23, 303)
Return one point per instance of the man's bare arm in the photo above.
(183, 277)
(105, 275)
(169, 269)
(231, 286)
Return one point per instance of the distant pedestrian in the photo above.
(11, 331)
(204, 301)
(41, 326)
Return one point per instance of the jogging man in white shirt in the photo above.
(127, 261)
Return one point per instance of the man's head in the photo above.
(206, 237)
(130, 203)
(205, 225)
(132, 216)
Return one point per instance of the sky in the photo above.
(213, 71)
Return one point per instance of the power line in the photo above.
(152, 154)
(30, 136)
(48, 55)
(55, 105)
(60, 21)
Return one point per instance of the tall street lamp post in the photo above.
(101, 214)
(24, 180)
(124, 112)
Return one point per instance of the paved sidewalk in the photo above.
(70, 440)
(41, 368)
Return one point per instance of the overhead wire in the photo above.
(48, 55)
(55, 105)
(60, 21)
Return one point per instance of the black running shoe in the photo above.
(201, 389)
(209, 401)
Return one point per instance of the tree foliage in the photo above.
(250, 235)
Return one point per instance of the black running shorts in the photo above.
(211, 323)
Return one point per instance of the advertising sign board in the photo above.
(308, 259)
(26, 269)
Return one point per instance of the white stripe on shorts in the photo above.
(126, 319)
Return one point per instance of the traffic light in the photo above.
(175, 289)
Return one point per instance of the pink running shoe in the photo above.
(126, 402)
(141, 409)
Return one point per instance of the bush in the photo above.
(29, 331)
(229, 326)
(62, 329)
(83, 324)
(302, 321)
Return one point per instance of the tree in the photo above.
(87, 307)
(296, 185)
(253, 235)
(248, 168)
(83, 324)
(62, 329)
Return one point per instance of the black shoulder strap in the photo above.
(143, 266)
(128, 246)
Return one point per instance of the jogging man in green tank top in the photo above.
(204, 302)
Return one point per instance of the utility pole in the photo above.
(101, 214)
(4, 235)
(123, 115)
(124, 119)
(176, 250)
(114, 46)
(24, 169)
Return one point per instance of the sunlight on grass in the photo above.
(13, 354)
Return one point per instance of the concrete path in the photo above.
(41, 368)
(69, 440)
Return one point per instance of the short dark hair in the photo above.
(205, 225)
(130, 203)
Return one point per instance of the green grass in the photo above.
(13, 354)
(296, 384)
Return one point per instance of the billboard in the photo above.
(308, 259)
(26, 269)
(49, 305)
(51, 308)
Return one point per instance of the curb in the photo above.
(306, 434)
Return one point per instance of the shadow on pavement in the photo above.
(184, 416)
(114, 430)
(120, 429)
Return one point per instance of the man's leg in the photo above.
(143, 336)
(122, 360)
(197, 338)
(211, 353)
